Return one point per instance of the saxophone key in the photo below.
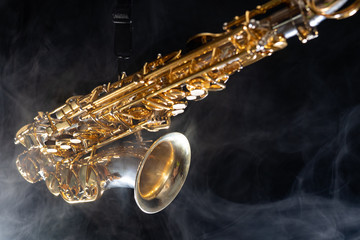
(175, 94)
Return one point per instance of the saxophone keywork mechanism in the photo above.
(93, 142)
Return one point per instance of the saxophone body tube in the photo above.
(93, 142)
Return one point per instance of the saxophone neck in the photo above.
(296, 17)
(73, 148)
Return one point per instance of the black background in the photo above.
(274, 156)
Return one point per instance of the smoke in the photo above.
(237, 201)
(274, 156)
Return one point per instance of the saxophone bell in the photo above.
(156, 173)
(162, 173)
(73, 148)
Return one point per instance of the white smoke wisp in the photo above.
(274, 156)
(322, 203)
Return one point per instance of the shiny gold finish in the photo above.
(162, 173)
(72, 147)
(157, 171)
(341, 14)
(260, 9)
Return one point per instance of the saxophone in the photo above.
(75, 148)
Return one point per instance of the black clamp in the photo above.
(123, 33)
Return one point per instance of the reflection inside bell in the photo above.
(156, 170)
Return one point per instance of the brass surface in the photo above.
(341, 14)
(71, 149)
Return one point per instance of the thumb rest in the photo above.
(72, 148)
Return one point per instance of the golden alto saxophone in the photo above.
(72, 147)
